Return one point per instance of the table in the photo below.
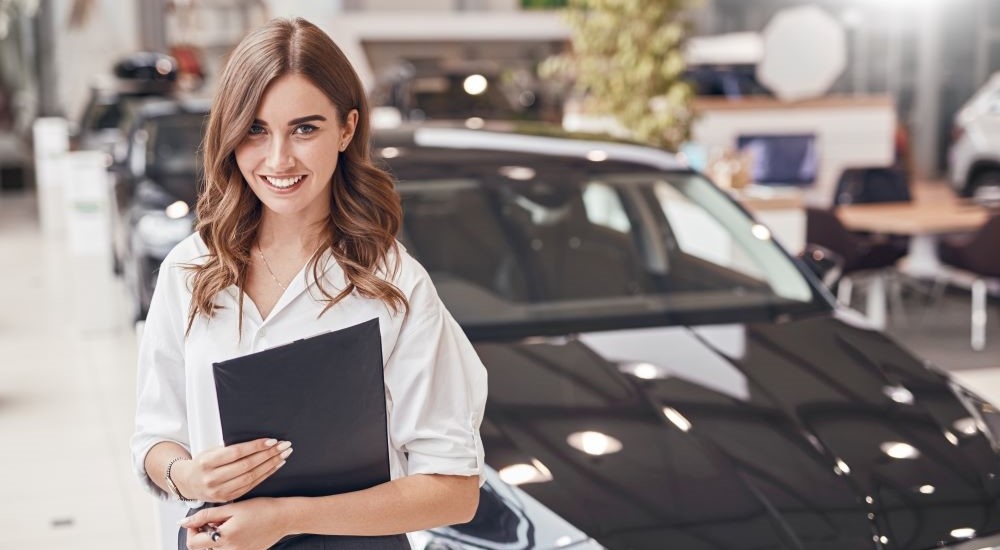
(924, 222)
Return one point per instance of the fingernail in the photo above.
(271, 442)
(280, 465)
(284, 445)
(285, 454)
(183, 521)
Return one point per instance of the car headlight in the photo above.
(158, 230)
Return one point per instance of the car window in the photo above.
(172, 142)
(549, 244)
(104, 116)
(709, 226)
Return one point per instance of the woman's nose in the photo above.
(279, 155)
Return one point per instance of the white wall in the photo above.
(438, 5)
(308, 9)
(110, 32)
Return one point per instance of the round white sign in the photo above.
(804, 53)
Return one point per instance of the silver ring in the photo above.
(216, 536)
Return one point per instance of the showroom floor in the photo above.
(67, 391)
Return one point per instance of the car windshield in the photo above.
(545, 245)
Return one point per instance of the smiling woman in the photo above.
(294, 219)
(287, 159)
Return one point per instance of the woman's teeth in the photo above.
(282, 183)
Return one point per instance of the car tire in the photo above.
(984, 185)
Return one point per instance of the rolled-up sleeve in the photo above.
(160, 404)
(437, 386)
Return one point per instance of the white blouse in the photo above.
(435, 384)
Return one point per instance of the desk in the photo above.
(923, 222)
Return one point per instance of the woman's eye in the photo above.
(256, 130)
(305, 129)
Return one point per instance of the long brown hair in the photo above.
(365, 210)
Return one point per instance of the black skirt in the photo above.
(322, 542)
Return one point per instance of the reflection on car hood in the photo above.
(741, 437)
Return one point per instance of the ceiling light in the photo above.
(597, 155)
(520, 474)
(474, 123)
(963, 533)
(164, 66)
(389, 152)
(177, 210)
(902, 451)
(643, 370)
(965, 426)
(594, 443)
(926, 489)
(884, 539)
(841, 468)
(519, 173)
(678, 419)
(474, 84)
(899, 394)
(761, 232)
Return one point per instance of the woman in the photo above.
(295, 237)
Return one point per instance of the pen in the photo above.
(213, 533)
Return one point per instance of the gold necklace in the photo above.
(268, 266)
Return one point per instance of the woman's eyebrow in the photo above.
(309, 118)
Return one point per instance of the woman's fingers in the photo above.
(216, 458)
(241, 467)
(221, 471)
(199, 539)
(242, 484)
(258, 475)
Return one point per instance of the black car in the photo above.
(663, 375)
(137, 77)
(155, 185)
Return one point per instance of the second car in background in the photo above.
(154, 189)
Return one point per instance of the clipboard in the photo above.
(325, 394)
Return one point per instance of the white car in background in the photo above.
(974, 159)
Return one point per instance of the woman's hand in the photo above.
(227, 473)
(254, 524)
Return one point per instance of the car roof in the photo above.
(546, 141)
(154, 107)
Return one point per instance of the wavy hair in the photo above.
(365, 210)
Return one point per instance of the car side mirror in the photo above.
(826, 264)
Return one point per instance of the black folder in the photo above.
(326, 395)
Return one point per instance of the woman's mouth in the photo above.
(283, 185)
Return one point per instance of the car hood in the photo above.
(741, 437)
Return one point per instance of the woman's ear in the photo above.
(350, 125)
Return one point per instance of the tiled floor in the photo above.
(67, 391)
(67, 388)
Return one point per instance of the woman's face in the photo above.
(290, 151)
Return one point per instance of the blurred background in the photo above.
(868, 130)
